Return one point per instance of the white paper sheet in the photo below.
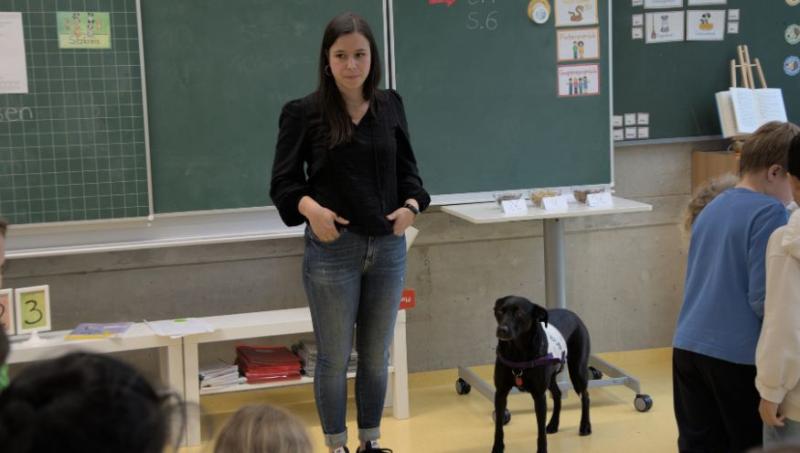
(179, 327)
(13, 71)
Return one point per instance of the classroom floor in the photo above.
(443, 421)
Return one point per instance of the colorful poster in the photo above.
(657, 4)
(13, 71)
(579, 80)
(664, 26)
(573, 13)
(578, 44)
(705, 25)
(83, 30)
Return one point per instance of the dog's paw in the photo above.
(497, 449)
(585, 430)
(552, 428)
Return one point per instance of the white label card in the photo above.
(619, 134)
(733, 14)
(630, 119)
(600, 200)
(637, 2)
(630, 133)
(514, 207)
(558, 203)
(642, 119)
(643, 132)
(616, 121)
(637, 33)
(637, 20)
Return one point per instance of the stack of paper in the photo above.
(307, 351)
(220, 374)
(267, 363)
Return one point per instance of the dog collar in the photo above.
(548, 359)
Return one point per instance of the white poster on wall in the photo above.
(705, 25)
(664, 26)
(13, 71)
(657, 4)
(707, 2)
(573, 13)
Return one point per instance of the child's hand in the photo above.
(769, 413)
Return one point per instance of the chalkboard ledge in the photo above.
(165, 230)
(666, 141)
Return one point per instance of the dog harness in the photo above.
(556, 354)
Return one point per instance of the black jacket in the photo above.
(362, 181)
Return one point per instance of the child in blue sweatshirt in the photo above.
(713, 364)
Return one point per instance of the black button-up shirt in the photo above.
(362, 181)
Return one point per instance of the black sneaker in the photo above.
(372, 446)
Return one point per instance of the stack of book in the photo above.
(219, 375)
(267, 363)
(307, 351)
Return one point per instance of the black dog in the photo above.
(523, 361)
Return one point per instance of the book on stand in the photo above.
(743, 110)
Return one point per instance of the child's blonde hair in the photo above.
(703, 196)
(263, 429)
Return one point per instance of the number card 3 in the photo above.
(7, 311)
(32, 309)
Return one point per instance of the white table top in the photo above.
(491, 212)
(53, 344)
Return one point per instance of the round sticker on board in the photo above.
(539, 11)
(793, 2)
(792, 34)
(791, 65)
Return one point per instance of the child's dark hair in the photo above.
(793, 165)
(82, 402)
(703, 196)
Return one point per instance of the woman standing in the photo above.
(359, 192)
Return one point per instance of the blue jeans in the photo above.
(788, 434)
(354, 280)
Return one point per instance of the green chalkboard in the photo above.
(73, 146)
(218, 73)
(675, 81)
(480, 85)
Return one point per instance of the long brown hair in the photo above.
(340, 127)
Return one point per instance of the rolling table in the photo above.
(555, 293)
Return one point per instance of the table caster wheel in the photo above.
(643, 403)
(462, 387)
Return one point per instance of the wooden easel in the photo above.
(748, 81)
(746, 67)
